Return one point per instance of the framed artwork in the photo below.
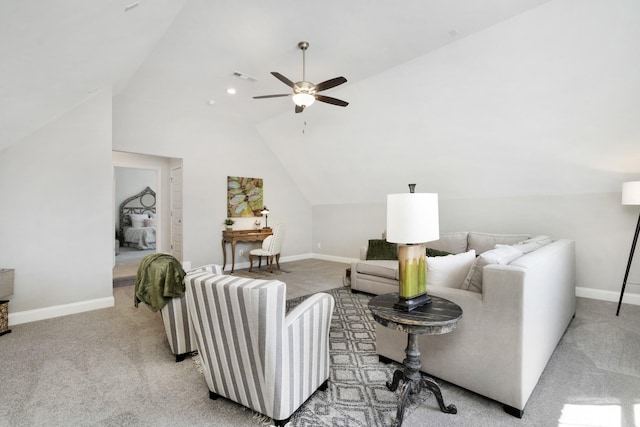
(244, 196)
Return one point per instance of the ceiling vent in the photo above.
(130, 6)
(244, 76)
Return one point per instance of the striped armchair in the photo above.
(176, 320)
(251, 352)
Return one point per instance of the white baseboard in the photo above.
(59, 310)
(629, 298)
(324, 257)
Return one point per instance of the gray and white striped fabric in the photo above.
(176, 320)
(177, 325)
(253, 354)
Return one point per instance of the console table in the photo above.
(234, 236)
(439, 317)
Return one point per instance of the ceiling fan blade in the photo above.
(271, 96)
(283, 79)
(332, 101)
(299, 108)
(330, 83)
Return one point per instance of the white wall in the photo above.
(211, 149)
(545, 103)
(56, 215)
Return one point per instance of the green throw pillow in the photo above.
(381, 249)
(435, 252)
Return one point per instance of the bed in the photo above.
(137, 227)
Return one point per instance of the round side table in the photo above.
(439, 317)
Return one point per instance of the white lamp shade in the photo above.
(631, 193)
(412, 218)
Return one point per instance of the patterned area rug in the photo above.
(357, 394)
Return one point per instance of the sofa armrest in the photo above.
(547, 301)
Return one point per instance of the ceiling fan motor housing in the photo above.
(305, 87)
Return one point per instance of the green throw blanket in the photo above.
(160, 278)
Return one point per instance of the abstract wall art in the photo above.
(244, 196)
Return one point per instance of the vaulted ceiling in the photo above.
(493, 98)
(54, 54)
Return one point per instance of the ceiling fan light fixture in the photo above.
(303, 99)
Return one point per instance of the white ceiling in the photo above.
(55, 54)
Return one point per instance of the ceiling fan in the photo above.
(304, 92)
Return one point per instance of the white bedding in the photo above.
(140, 237)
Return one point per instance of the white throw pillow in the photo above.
(449, 271)
(137, 220)
(499, 255)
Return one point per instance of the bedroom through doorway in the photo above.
(136, 220)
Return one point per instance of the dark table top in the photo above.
(439, 317)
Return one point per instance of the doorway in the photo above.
(136, 240)
(133, 173)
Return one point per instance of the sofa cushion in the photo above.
(382, 268)
(502, 254)
(483, 242)
(449, 271)
(530, 245)
(455, 243)
(381, 249)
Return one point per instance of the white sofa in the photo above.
(508, 331)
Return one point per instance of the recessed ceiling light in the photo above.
(231, 90)
(211, 102)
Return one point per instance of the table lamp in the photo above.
(265, 212)
(412, 220)
(630, 196)
(6, 289)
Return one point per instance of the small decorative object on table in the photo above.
(6, 289)
(229, 223)
(412, 220)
